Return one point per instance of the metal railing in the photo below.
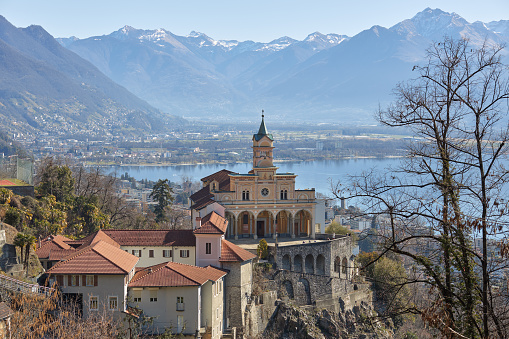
(15, 285)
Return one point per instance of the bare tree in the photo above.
(452, 180)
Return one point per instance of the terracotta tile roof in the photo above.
(152, 237)
(5, 310)
(231, 252)
(98, 258)
(172, 274)
(212, 223)
(203, 197)
(57, 255)
(98, 236)
(202, 203)
(140, 237)
(221, 176)
(51, 244)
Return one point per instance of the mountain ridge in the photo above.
(331, 76)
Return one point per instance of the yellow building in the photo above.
(259, 203)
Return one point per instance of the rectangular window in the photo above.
(137, 253)
(180, 303)
(184, 253)
(150, 253)
(90, 280)
(153, 296)
(75, 280)
(167, 254)
(137, 296)
(94, 303)
(113, 303)
(208, 248)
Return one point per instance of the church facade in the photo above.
(259, 203)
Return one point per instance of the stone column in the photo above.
(265, 227)
(312, 225)
(292, 226)
(274, 229)
(235, 229)
(255, 235)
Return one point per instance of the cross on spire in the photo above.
(262, 114)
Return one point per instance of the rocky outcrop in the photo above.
(296, 322)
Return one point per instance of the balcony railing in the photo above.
(180, 306)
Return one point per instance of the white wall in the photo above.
(158, 258)
(107, 285)
(165, 308)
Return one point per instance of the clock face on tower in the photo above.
(265, 192)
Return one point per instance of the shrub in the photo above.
(263, 249)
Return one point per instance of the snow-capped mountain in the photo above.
(328, 75)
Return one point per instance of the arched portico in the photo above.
(245, 222)
(283, 223)
(303, 224)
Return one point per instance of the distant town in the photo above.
(199, 143)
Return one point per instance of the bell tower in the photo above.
(262, 147)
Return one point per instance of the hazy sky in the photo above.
(260, 20)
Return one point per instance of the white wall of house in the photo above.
(212, 307)
(107, 286)
(165, 310)
(203, 258)
(158, 258)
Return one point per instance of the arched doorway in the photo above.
(302, 223)
(310, 264)
(264, 224)
(283, 223)
(245, 224)
(287, 264)
(297, 263)
(320, 264)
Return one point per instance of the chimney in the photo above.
(198, 222)
(150, 270)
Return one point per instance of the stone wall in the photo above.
(332, 258)
(259, 312)
(238, 288)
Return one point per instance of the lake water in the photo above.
(310, 174)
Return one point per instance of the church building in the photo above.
(259, 203)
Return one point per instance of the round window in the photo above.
(265, 192)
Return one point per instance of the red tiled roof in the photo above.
(98, 258)
(220, 176)
(51, 244)
(203, 197)
(231, 252)
(174, 274)
(98, 236)
(212, 223)
(57, 255)
(141, 238)
(153, 237)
